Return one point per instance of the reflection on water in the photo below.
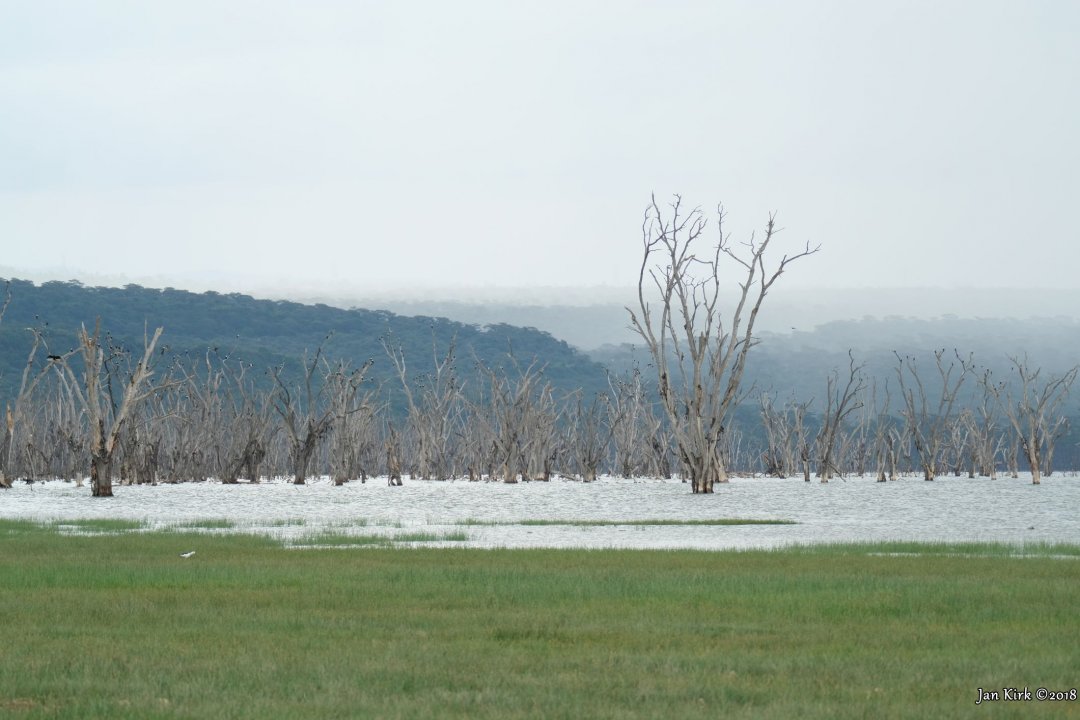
(856, 509)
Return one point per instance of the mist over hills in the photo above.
(590, 318)
(806, 334)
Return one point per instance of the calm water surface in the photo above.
(856, 509)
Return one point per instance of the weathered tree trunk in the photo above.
(1031, 449)
(302, 453)
(101, 474)
(300, 472)
(704, 471)
(253, 460)
(1013, 458)
(393, 459)
(5, 451)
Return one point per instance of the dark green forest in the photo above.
(271, 333)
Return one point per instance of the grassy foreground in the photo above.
(121, 627)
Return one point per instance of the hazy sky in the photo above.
(361, 145)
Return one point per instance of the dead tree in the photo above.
(248, 416)
(661, 449)
(97, 395)
(354, 442)
(539, 447)
(886, 436)
(72, 456)
(305, 414)
(631, 423)
(476, 433)
(434, 411)
(779, 459)
(588, 433)
(699, 353)
(957, 444)
(928, 423)
(196, 419)
(141, 446)
(986, 442)
(521, 422)
(838, 405)
(1033, 409)
(14, 416)
(347, 403)
(392, 445)
(734, 452)
(857, 444)
(801, 432)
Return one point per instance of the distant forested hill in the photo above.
(268, 333)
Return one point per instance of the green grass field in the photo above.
(119, 626)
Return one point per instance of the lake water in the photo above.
(856, 509)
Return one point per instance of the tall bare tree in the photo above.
(699, 351)
(1033, 409)
(97, 395)
(838, 405)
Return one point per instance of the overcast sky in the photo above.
(363, 145)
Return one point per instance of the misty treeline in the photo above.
(105, 412)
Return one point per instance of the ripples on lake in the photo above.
(856, 509)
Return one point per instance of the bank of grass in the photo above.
(121, 627)
(334, 539)
(207, 524)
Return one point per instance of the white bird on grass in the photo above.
(188, 554)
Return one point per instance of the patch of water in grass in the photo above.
(88, 526)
